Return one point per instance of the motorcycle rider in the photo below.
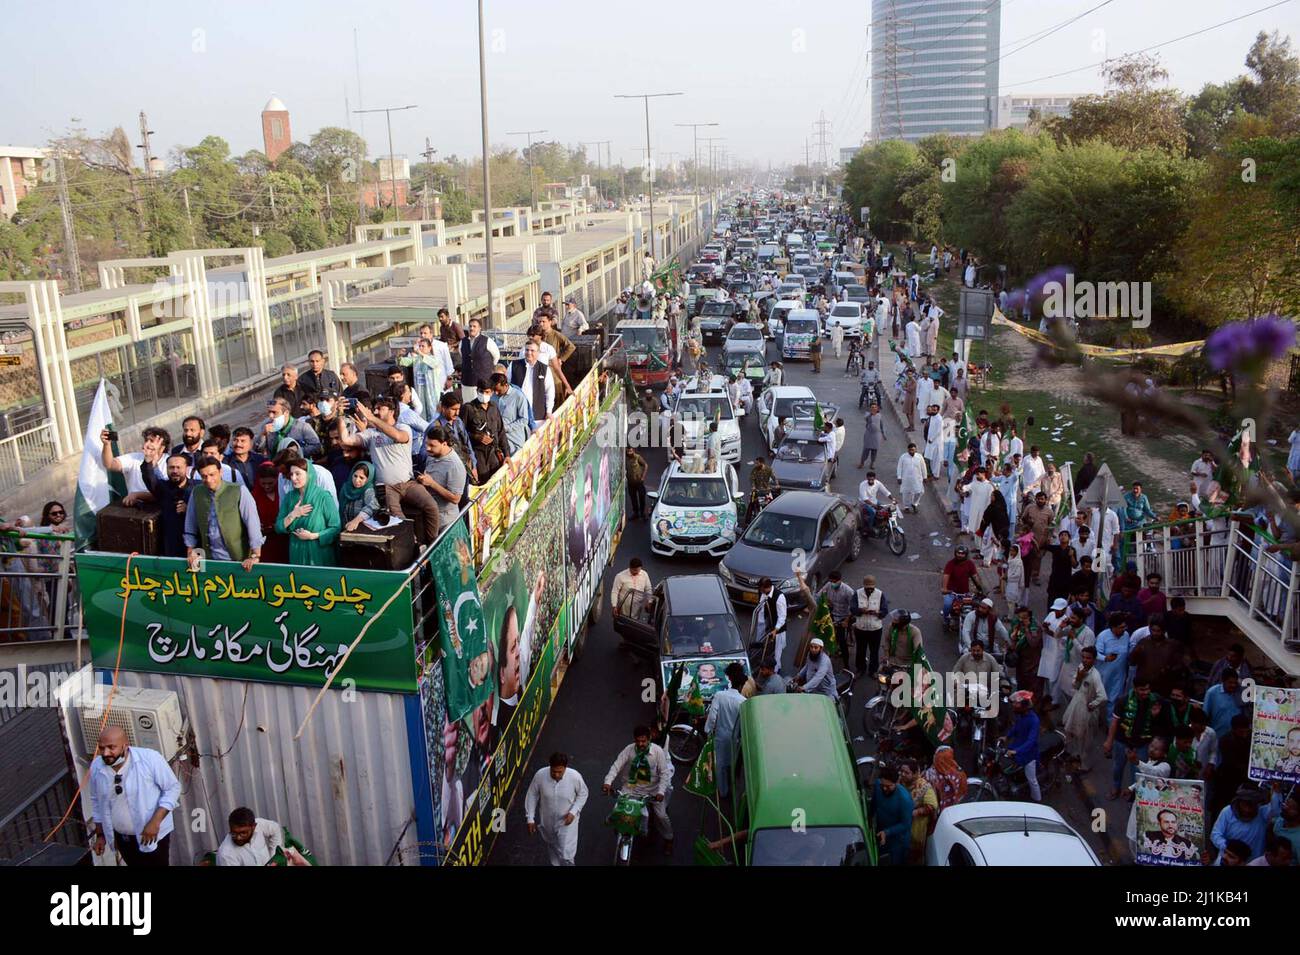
(762, 484)
(985, 626)
(872, 495)
(647, 773)
(1023, 739)
(870, 380)
(959, 575)
(901, 640)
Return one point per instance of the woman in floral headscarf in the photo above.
(947, 778)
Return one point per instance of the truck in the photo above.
(653, 347)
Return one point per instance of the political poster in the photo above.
(1275, 736)
(709, 673)
(279, 624)
(467, 659)
(1170, 820)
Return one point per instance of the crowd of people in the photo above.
(331, 457)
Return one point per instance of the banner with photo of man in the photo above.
(1170, 817)
(594, 488)
(1275, 736)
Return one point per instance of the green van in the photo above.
(796, 790)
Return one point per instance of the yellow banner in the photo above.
(1098, 351)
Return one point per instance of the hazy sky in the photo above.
(764, 69)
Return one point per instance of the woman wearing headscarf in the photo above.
(357, 500)
(309, 516)
(946, 777)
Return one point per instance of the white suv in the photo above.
(696, 509)
(700, 404)
(847, 315)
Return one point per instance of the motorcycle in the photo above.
(962, 605)
(1004, 779)
(870, 395)
(630, 818)
(983, 717)
(886, 525)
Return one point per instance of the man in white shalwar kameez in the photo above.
(912, 335)
(1049, 664)
(924, 390)
(723, 725)
(980, 492)
(911, 477)
(1081, 721)
(554, 801)
(934, 440)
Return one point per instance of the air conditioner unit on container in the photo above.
(151, 718)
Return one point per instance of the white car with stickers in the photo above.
(696, 509)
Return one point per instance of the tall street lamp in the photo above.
(646, 97)
(695, 131)
(392, 160)
(487, 175)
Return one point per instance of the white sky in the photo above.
(200, 68)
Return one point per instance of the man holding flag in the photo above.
(99, 484)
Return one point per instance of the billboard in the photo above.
(278, 624)
(1170, 827)
(1275, 736)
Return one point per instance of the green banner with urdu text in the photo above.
(277, 624)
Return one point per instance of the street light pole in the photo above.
(649, 157)
(532, 183)
(392, 163)
(695, 134)
(713, 177)
(597, 143)
(487, 175)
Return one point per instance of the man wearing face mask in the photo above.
(281, 426)
(487, 433)
(173, 498)
(478, 358)
(133, 794)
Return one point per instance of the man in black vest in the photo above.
(534, 379)
(478, 358)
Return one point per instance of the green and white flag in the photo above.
(468, 666)
(96, 485)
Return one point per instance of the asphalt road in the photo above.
(600, 699)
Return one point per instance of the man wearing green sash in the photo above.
(222, 521)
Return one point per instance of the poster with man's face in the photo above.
(1170, 820)
(1275, 736)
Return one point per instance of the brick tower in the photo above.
(275, 128)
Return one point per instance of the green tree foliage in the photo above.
(1135, 114)
(990, 172)
(875, 178)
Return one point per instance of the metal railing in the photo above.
(1226, 559)
(39, 599)
(25, 453)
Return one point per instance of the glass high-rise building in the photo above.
(933, 67)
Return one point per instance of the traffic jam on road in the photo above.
(787, 588)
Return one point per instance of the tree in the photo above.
(989, 174)
(1135, 114)
(1112, 214)
(873, 179)
(1209, 115)
(1273, 89)
(333, 154)
(1239, 252)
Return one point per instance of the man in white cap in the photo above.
(983, 625)
(817, 675)
(1049, 664)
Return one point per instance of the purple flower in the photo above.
(1258, 339)
(1272, 336)
(1056, 273)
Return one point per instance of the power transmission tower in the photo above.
(823, 139)
(71, 256)
(889, 74)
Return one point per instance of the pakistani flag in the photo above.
(823, 625)
(96, 485)
(818, 420)
(467, 663)
(703, 777)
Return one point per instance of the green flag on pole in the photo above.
(823, 625)
(818, 420)
(703, 777)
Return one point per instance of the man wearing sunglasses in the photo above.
(133, 794)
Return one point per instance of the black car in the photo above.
(688, 620)
(716, 319)
(801, 462)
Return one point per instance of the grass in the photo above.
(1092, 423)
